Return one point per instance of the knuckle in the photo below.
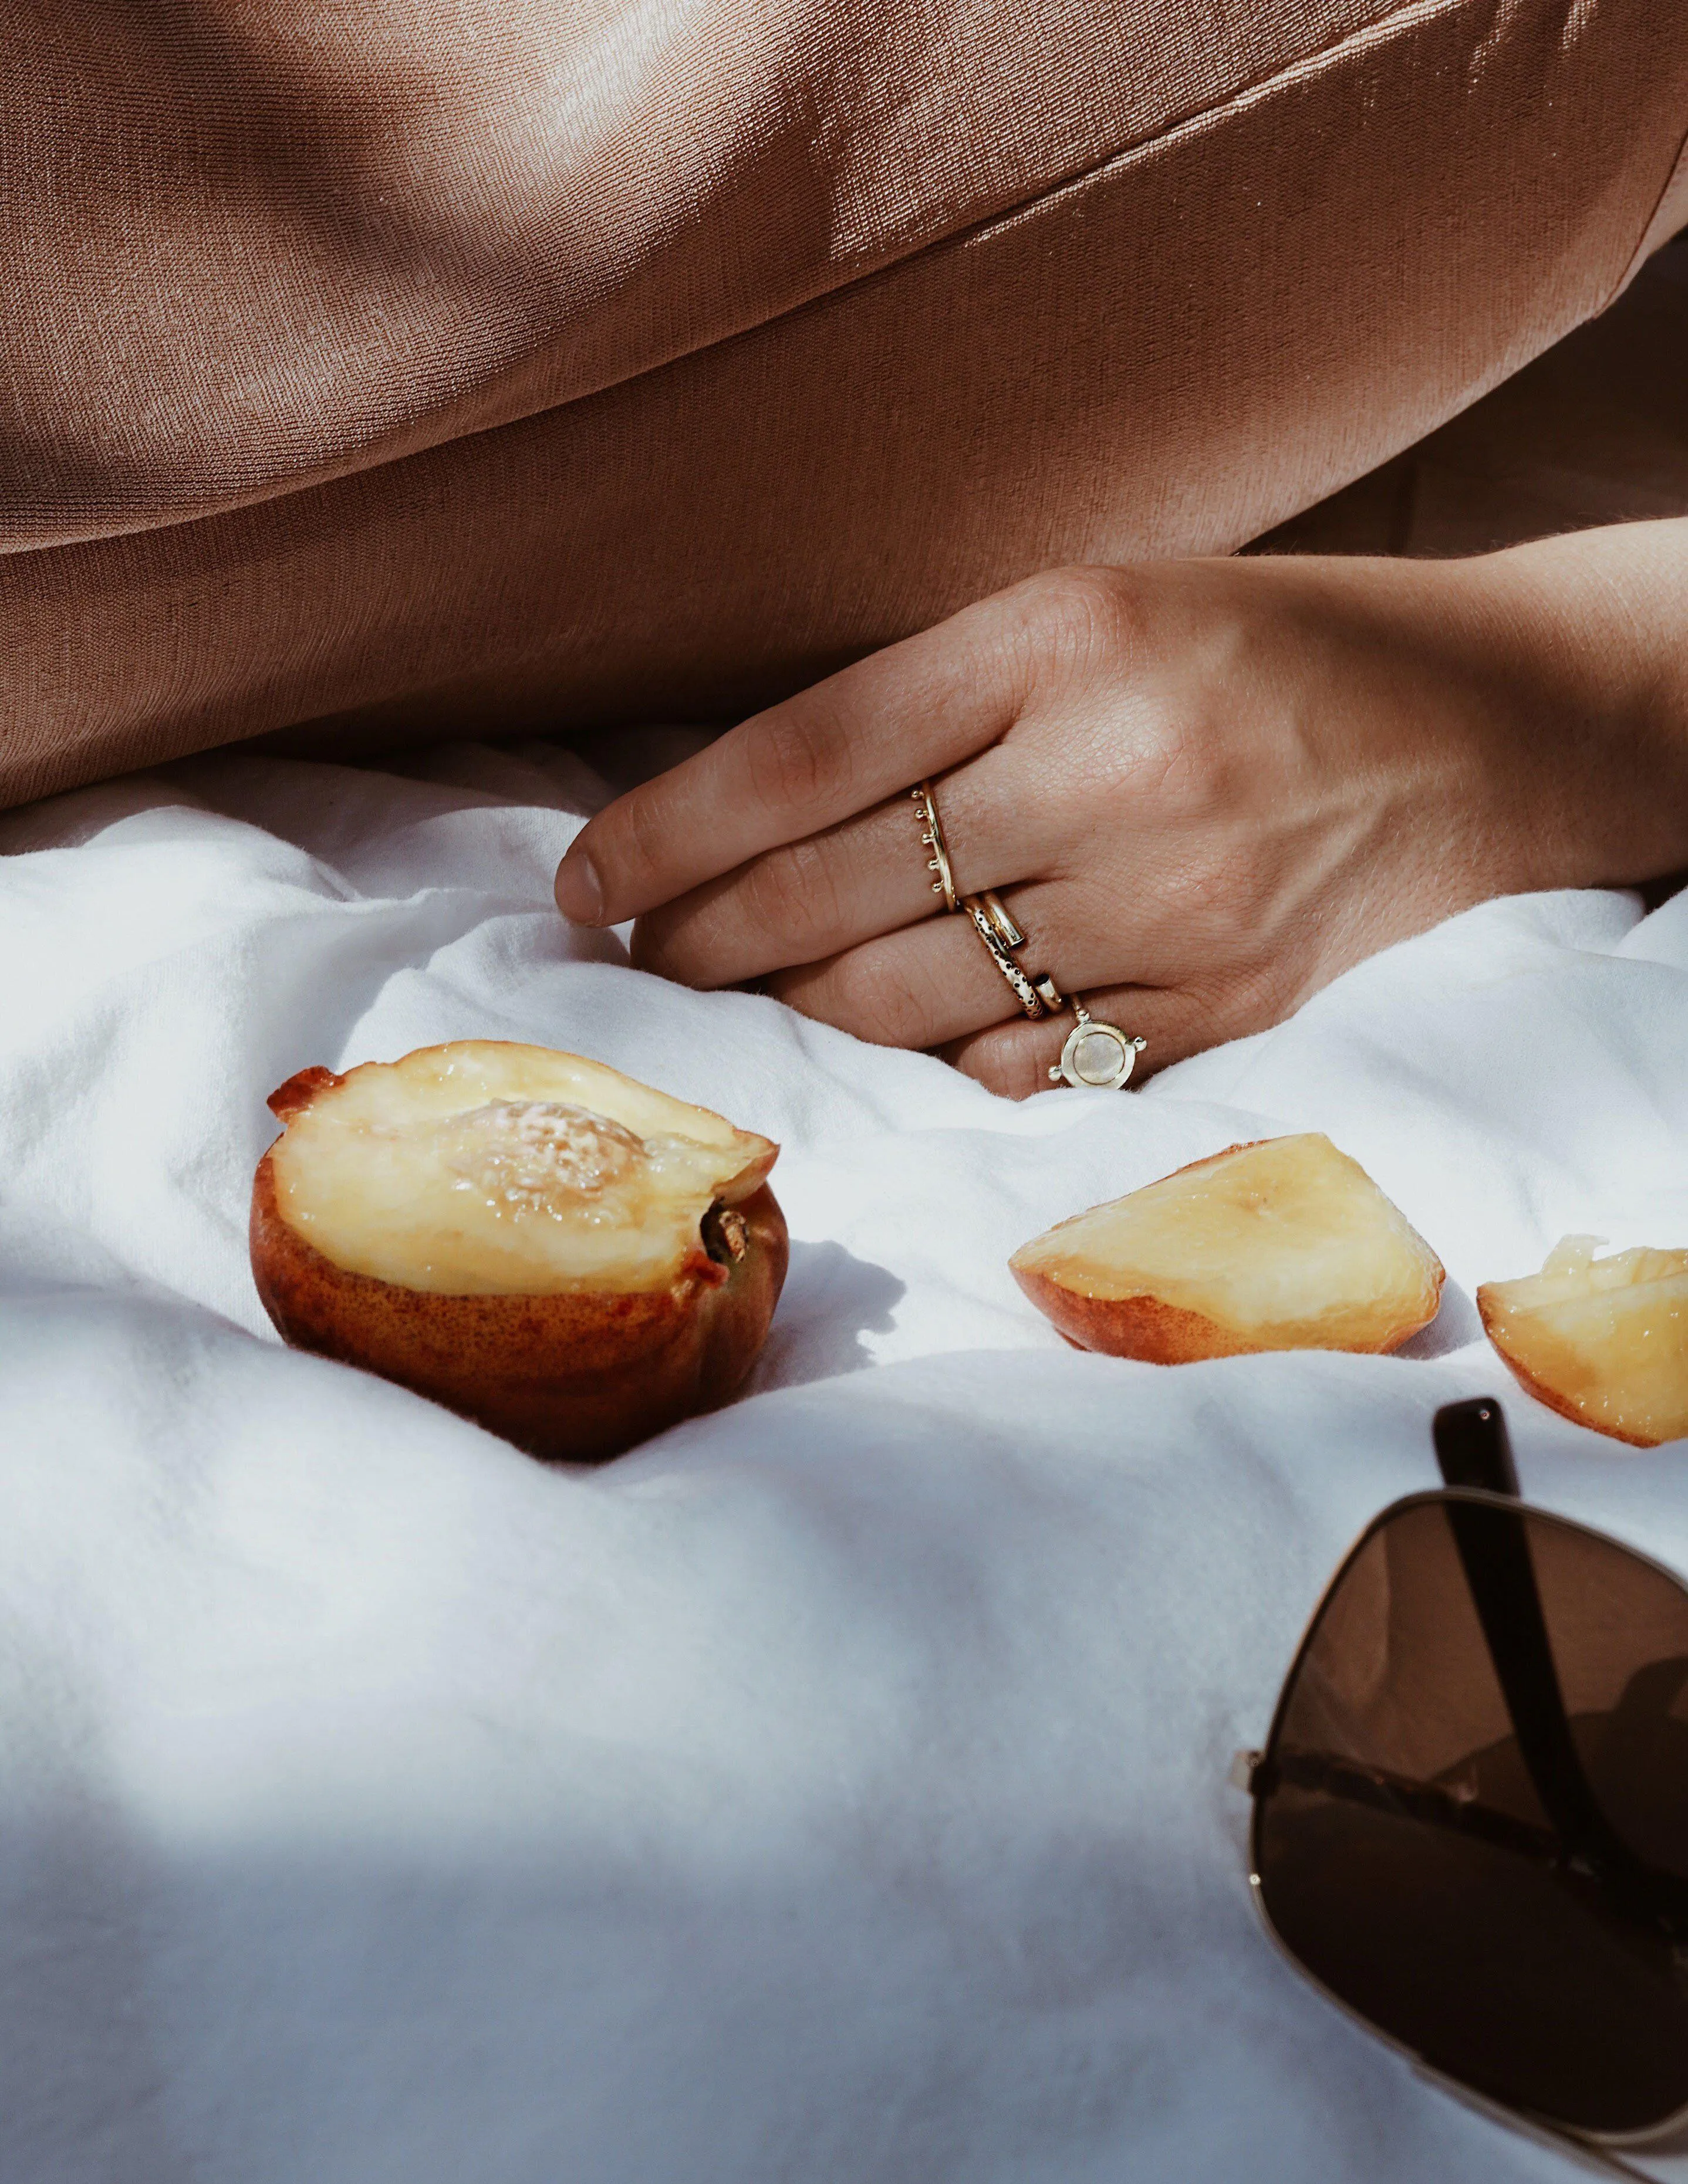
(800, 761)
(1263, 993)
(1245, 1000)
(634, 842)
(659, 944)
(1200, 1017)
(1081, 616)
(1016, 1074)
(1007, 1063)
(790, 891)
(882, 1000)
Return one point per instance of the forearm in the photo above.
(1594, 626)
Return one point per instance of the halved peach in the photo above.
(533, 1240)
(1284, 1244)
(1604, 1342)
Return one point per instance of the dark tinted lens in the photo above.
(1492, 1869)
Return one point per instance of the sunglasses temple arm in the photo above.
(1473, 1448)
(1493, 1552)
(1472, 1451)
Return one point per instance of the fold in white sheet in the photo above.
(834, 1790)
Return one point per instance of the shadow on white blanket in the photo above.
(834, 1790)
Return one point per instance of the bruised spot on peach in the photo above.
(570, 1258)
(1284, 1244)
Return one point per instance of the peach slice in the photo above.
(1604, 1342)
(533, 1240)
(1285, 1243)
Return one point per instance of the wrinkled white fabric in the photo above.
(833, 1790)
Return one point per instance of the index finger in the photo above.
(850, 742)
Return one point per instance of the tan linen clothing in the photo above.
(1594, 431)
(513, 364)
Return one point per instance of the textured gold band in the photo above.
(1025, 992)
(926, 810)
(996, 909)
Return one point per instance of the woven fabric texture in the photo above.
(509, 365)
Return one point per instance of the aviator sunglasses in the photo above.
(1470, 1822)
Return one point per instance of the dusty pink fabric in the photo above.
(1594, 431)
(1672, 216)
(519, 364)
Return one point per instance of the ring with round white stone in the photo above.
(1097, 1056)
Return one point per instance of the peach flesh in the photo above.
(557, 1282)
(1284, 1244)
(1602, 1341)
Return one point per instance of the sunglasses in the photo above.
(1470, 1822)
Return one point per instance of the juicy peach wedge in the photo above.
(530, 1238)
(1284, 1244)
(1604, 1342)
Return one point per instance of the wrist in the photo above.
(1590, 631)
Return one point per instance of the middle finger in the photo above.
(864, 877)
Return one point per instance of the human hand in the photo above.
(1205, 788)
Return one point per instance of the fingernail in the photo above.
(579, 891)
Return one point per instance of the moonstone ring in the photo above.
(1097, 1056)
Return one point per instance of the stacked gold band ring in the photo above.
(1025, 989)
(1097, 1056)
(996, 911)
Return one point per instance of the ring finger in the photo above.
(932, 982)
(865, 878)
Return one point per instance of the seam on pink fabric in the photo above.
(1409, 15)
(1379, 31)
(1650, 241)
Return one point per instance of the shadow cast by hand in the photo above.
(831, 1299)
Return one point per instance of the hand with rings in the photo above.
(1198, 790)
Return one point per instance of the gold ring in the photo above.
(1097, 1056)
(926, 809)
(997, 910)
(1025, 992)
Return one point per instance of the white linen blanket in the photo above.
(833, 1790)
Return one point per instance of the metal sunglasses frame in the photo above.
(1477, 1463)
